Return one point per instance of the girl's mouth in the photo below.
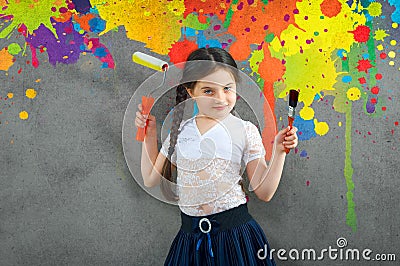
(220, 107)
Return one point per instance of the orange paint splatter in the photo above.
(330, 8)
(275, 18)
(216, 7)
(6, 60)
(270, 69)
(83, 21)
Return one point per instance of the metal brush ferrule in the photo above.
(292, 111)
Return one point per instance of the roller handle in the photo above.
(290, 120)
(147, 103)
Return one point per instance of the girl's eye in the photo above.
(227, 88)
(208, 91)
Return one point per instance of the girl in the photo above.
(206, 151)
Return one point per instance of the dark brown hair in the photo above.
(199, 64)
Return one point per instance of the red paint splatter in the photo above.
(396, 123)
(19, 70)
(384, 108)
(217, 27)
(375, 90)
(35, 61)
(308, 183)
(362, 80)
(364, 65)
(180, 51)
(378, 76)
(361, 33)
(373, 100)
(383, 55)
(330, 8)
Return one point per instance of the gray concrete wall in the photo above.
(67, 196)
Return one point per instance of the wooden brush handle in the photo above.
(147, 103)
(290, 120)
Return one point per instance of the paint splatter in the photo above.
(353, 94)
(23, 115)
(330, 8)
(361, 33)
(30, 93)
(6, 60)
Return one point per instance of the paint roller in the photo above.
(148, 101)
(293, 98)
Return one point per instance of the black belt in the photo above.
(224, 220)
(204, 226)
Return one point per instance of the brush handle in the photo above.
(290, 120)
(147, 103)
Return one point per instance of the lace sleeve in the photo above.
(254, 147)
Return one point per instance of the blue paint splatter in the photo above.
(305, 128)
(303, 153)
(396, 14)
(100, 52)
(346, 79)
(97, 25)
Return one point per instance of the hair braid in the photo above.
(181, 96)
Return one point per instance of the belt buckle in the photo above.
(209, 225)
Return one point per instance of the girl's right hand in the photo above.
(141, 120)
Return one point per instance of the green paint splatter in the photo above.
(229, 15)
(192, 21)
(32, 14)
(269, 37)
(372, 55)
(351, 218)
(14, 48)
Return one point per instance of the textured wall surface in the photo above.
(67, 196)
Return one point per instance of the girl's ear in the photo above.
(189, 91)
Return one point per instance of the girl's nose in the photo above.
(220, 96)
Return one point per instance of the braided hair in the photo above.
(199, 64)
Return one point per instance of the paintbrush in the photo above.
(148, 101)
(293, 98)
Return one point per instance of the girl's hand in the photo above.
(141, 120)
(286, 139)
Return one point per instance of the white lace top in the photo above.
(209, 165)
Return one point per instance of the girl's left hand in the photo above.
(286, 139)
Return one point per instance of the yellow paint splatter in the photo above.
(307, 113)
(38, 80)
(6, 60)
(391, 63)
(395, 25)
(392, 54)
(375, 9)
(30, 93)
(321, 128)
(380, 35)
(147, 29)
(23, 115)
(254, 61)
(304, 57)
(340, 124)
(353, 94)
(10, 95)
(379, 47)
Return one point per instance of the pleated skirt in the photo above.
(231, 237)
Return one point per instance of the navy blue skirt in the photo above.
(231, 237)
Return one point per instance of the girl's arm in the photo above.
(152, 160)
(264, 179)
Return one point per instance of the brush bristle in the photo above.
(293, 98)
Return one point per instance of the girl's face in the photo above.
(215, 94)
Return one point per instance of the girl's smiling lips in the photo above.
(220, 107)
